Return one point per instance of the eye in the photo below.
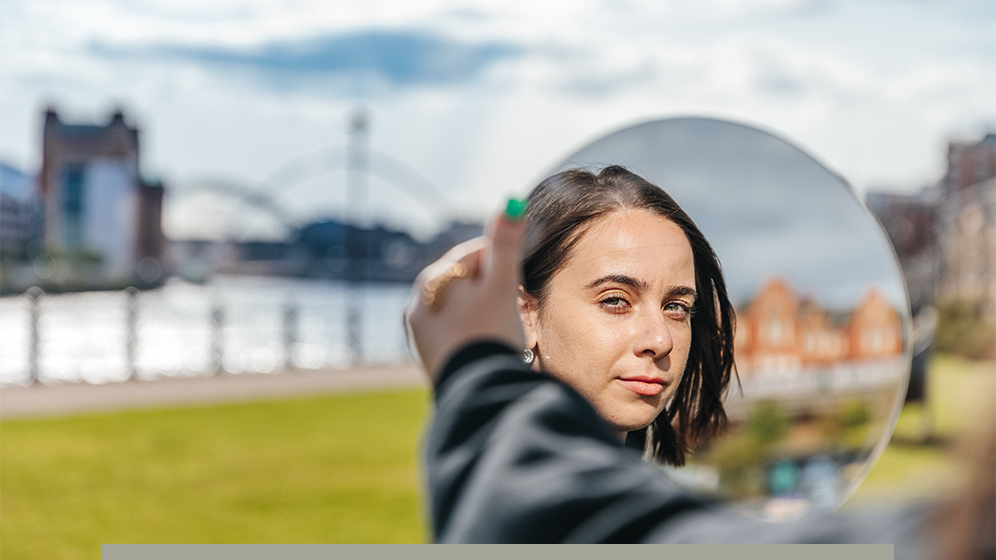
(678, 310)
(614, 303)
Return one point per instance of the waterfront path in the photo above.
(68, 398)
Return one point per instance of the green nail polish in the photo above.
(516, 208)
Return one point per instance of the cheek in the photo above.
(679, 356)
(573, 345)
(683, 345)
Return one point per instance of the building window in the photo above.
(73, 201)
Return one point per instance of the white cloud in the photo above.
(873, 89)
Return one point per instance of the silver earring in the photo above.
(527, 356)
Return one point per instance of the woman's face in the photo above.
(616, 324)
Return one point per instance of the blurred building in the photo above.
(101, 219)
(910, 223)
(969, 163)
(777, 334)
(874, 330)
(966, 226)
(766, 330)
(945, 235)
(822, 341)
(20, 215)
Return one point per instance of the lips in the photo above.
(644, 386)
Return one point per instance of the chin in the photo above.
(630, 425)
(628, 414)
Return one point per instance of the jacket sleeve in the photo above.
(514, 455)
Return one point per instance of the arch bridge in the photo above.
(265, 198)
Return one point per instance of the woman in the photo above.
(513, 456)
(624, 300)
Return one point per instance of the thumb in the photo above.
(505, 233)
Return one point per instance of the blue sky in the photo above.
(481, 98)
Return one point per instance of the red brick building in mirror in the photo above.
(780, 333)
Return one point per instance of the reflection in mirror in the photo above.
(823, 327)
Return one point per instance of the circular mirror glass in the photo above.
(823, 321)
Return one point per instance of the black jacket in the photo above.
(516, 456)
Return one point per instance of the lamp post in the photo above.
(356, 248)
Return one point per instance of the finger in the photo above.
(431, 287)
(467, 252)
(504, 253)
(473, 260)
(461, 250)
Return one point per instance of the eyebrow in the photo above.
(683, 291)
(620, 279)
(640, 284)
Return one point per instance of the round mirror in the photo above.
(823, 321)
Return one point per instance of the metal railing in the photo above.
(116, 336)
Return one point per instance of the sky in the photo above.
(477, 100)
(768, 209)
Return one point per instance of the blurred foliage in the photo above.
(740, 461)
(962, 330)
(849, 424)
(770, 439)
(741, 458)
(855, 420)
(768, 423)
(855, 414)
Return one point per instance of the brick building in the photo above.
(779, 334)
(766, 330)
(821, 341)
(101, 218)
(874, 330)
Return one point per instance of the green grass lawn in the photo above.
(929, 454)
(330, 469)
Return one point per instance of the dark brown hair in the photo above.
(560, 209)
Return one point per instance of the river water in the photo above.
(230, 324)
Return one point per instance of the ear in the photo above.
(529, 315)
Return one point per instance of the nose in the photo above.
(654, 337)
